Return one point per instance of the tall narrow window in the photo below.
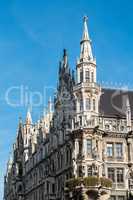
(119, 150)
(111, 174)
(67, 156)
(47, 187)
(80, 120)
(120, 175)
(89, 170)
(110, 150)
(81, 105)
(94, 104)
(92, 76)
(87, 76)
(53, 188)
(81, 76)
(89, 146)
(88, 104)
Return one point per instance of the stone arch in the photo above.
(19, 189)
(68, 153)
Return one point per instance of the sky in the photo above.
(33, 35)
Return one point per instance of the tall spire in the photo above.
(28, 117)
(86, 50)
(65, 58)
(20, 122)
(20, 125)
(85, 35)
(50, 105)
(128, 114)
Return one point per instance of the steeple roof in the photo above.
(50, 105)
(65, 58)
(86, 49)
(114, 102)
(85, 35)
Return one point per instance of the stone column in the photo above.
(129, 151)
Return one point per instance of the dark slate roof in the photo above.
(113, 102)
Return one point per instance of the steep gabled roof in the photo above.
(113, 102)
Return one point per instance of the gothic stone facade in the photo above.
(89, 133)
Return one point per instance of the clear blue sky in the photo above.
(32, 36)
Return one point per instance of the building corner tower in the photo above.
(87, 91)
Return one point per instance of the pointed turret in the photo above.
(20, 123)
(20, 127)
(28, 117)
(9, 164)
(128, 114)
(50, 105)
(86, 50)
(20, 137)
(65, 59)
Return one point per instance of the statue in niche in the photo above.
(130, 178)
(95, 153)
(95, 169)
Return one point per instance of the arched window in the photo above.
(94, 104)
(67, 156)
(92, 76)
(81, 104)
(88, 104)
(87, 76)
(60, 160)
(81, 76)
(19, 188)
(52, 166)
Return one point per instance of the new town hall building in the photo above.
(88, 133)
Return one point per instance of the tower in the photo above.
(86, 90)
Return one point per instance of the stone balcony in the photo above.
(87, 85)
(116, 126)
